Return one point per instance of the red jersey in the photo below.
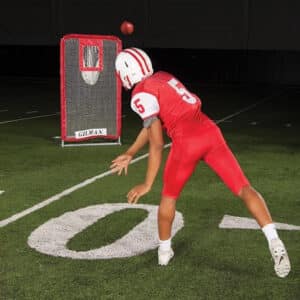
(165, 96)
(199, 137)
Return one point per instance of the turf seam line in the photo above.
(245, 109)
(28, 118)
(86, 182)
(31, 112)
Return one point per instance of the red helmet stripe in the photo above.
(142, 57)
(137, 59)
(128, 80)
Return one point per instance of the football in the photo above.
(127, 27)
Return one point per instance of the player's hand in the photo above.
(138, 191)
(120, 164)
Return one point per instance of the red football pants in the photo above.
(195, 141)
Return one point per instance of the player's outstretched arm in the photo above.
(156, 146)
(120, 163)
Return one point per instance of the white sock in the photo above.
(270, 232)
(165, 245)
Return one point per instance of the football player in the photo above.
(164, 103)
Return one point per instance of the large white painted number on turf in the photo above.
(232, 222)
(52, 237)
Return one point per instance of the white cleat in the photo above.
(165, 256)
(282, 264)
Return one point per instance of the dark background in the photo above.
(215, 41)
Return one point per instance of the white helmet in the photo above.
(132, 66)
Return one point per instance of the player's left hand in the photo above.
(138, 191)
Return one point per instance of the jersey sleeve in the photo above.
(145, 105)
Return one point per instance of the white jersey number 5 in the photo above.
(183, 92)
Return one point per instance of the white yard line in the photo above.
(93, 179)
(1, 192)
(28, 118)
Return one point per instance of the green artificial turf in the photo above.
(209, 263)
